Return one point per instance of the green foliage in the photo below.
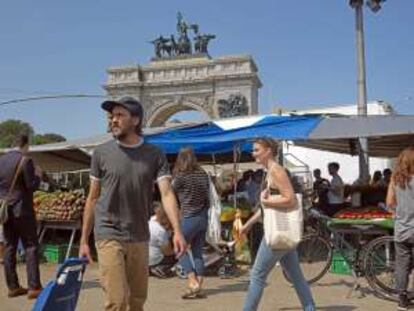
(10, 129)
(48, 138)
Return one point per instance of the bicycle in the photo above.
(380, 266)
(373, 260)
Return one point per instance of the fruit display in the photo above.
(59, 206)
(367, 213)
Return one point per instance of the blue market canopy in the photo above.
(387, 136)
(220, 137)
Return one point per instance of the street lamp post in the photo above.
(375, 6)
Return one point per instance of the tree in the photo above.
(10, 129)
(48, 138)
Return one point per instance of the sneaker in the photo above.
(33, 293)
(403, 303)
(20, 291)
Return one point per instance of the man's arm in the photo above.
(167, 249)
(88, 218)
(169, 203)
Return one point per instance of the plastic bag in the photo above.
(213, 235)
(242, 250)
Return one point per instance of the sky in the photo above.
(304, 49)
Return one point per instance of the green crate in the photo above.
(339, 265)
(56, 253)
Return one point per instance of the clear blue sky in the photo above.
(305, 51)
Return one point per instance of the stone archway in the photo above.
(160, 115)
(216, 87)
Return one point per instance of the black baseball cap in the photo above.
(129, 103)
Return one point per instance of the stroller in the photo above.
(219, 256)
(227, 267)
(63, 292)
(218, 260)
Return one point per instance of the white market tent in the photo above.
(387, 135)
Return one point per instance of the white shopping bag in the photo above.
(213, 235)
(283, 227)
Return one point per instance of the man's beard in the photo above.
(119, 134)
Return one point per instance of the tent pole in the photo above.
(235, 175)
(213, 156)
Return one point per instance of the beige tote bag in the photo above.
(283, 227)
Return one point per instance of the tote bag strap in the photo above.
(269, 178)
(266, 180)
(17, 172)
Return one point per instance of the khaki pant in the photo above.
(123, 267)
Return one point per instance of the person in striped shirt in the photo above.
(191, 185)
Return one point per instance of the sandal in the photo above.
(191, 293)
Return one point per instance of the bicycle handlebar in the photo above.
(318, 214)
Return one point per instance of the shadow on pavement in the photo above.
(361, 290)
(90, 284)
(237, 287)
(324, 308)
(329, 284)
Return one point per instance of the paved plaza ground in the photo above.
(222, 295)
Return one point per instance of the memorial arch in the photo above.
(218, 87)
(162, 112)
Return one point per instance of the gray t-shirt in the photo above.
(404, 214)
(127, 176)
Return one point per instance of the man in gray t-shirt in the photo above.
(123, 172)
(126, 175)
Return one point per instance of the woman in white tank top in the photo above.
(264, 152)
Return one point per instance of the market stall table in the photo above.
(380, 223)
(68, 225)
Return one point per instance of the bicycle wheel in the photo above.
(315, 256)
(379, 265)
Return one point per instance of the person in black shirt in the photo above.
(320, 189)
(22, 222)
